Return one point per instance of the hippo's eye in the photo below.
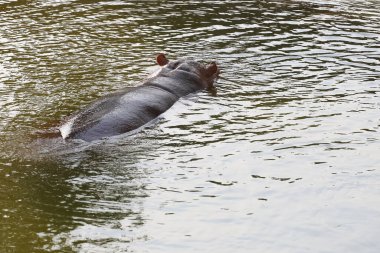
(175, 64)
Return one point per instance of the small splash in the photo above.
(65, 129)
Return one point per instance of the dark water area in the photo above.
(283, 158)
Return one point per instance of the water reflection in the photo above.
(286, 149)
(55, 197)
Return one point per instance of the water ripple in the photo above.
(298, 98)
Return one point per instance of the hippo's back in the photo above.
(118, 113)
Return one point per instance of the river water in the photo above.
(283, 158)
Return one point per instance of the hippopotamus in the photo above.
(126, 110)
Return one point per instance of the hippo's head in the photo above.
(208, 74)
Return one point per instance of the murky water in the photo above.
(284, 158)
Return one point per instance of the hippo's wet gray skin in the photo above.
(127, 110)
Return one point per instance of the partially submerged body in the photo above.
(129, 109)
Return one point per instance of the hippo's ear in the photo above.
(212, 69)
(161, 59)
